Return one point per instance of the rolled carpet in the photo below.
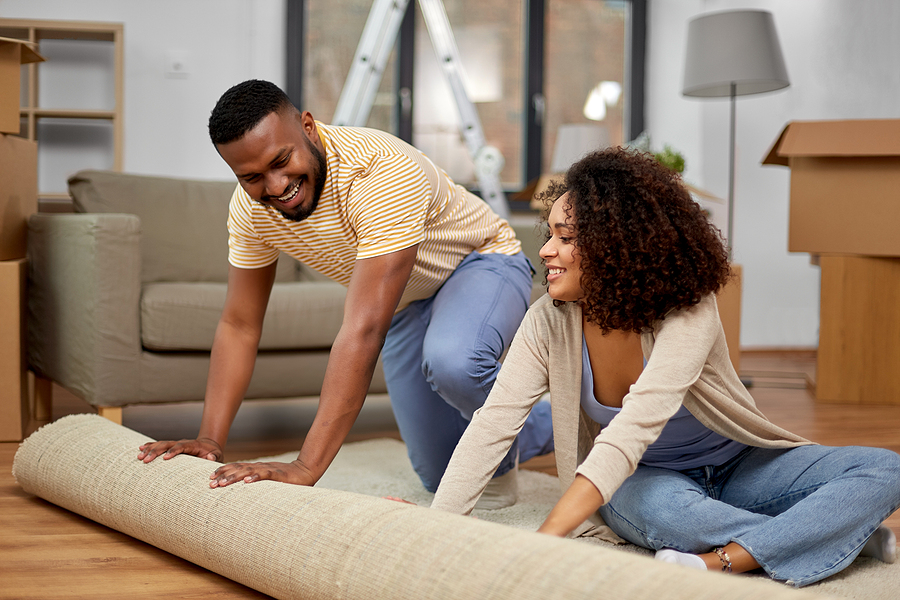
(298, 542)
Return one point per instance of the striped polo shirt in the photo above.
(381, 195)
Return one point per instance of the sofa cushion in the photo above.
(184, 234)
(184, 316)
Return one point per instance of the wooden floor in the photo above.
(47, 552)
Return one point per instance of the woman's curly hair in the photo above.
(646, 247)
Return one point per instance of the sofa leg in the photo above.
(43, 399)
(113, 413)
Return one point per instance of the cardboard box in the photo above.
(14, 413)
(845, 185)
(18, 193)
(859, 332)
(729, 302)
(13, 54)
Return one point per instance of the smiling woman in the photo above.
(658, 442)
(561, 257)
(648, 248)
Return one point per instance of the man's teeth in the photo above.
(290, 193)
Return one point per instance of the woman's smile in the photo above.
(563, 282)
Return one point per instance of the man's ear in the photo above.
(308, 124)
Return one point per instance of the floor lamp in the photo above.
(733, 53)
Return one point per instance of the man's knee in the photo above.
(462, 379)
(461, 383)
(430, 479)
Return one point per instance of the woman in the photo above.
(657, 440)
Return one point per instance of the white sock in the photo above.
(881, 545)
(680, 558)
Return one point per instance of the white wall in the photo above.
(841, 58)
(221, 42)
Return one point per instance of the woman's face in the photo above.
(560, 256)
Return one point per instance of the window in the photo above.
(489, 37)
(332, 32)
(584, 79)
(542, 74)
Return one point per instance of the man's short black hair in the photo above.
(242, 107)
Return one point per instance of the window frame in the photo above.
(535, 32)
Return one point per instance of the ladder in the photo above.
(358, 94)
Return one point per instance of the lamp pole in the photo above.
(731, 159)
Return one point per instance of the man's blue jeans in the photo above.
(803, 513)
(441, 357)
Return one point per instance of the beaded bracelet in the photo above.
(726, 561)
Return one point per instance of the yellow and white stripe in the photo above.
(381, 195)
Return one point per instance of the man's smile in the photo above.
(286, 199)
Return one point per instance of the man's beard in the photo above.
(300, 213)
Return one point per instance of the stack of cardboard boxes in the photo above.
(845, 211)
(18, 200)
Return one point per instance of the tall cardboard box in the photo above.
(729, 302)
(13, 54)
(845, 208)
(18, 200)
(845, 185)
(18, 193)
(859, 331)
(14, 413)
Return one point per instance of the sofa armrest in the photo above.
(84, 304)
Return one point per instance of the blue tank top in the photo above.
(685, 443)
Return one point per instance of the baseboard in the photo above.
(779, 349)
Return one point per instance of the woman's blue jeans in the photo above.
(803, 513)
(441, 357)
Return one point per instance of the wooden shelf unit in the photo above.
(31, 113)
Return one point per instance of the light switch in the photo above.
(177, 64)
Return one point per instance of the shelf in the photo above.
(82, 82)
(65, 113)
(37, 30)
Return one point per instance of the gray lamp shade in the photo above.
(734, 47)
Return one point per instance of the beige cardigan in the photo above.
(687, 363)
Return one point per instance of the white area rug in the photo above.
(381, 468)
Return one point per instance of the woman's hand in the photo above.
(579, 502)
(293, 472)
(552, 528)
(401, 500)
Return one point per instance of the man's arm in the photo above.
(231, 365)
(372, 297)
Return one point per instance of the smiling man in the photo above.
(436, 282)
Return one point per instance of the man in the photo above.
(436, 282)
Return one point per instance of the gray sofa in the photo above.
(125, 295)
